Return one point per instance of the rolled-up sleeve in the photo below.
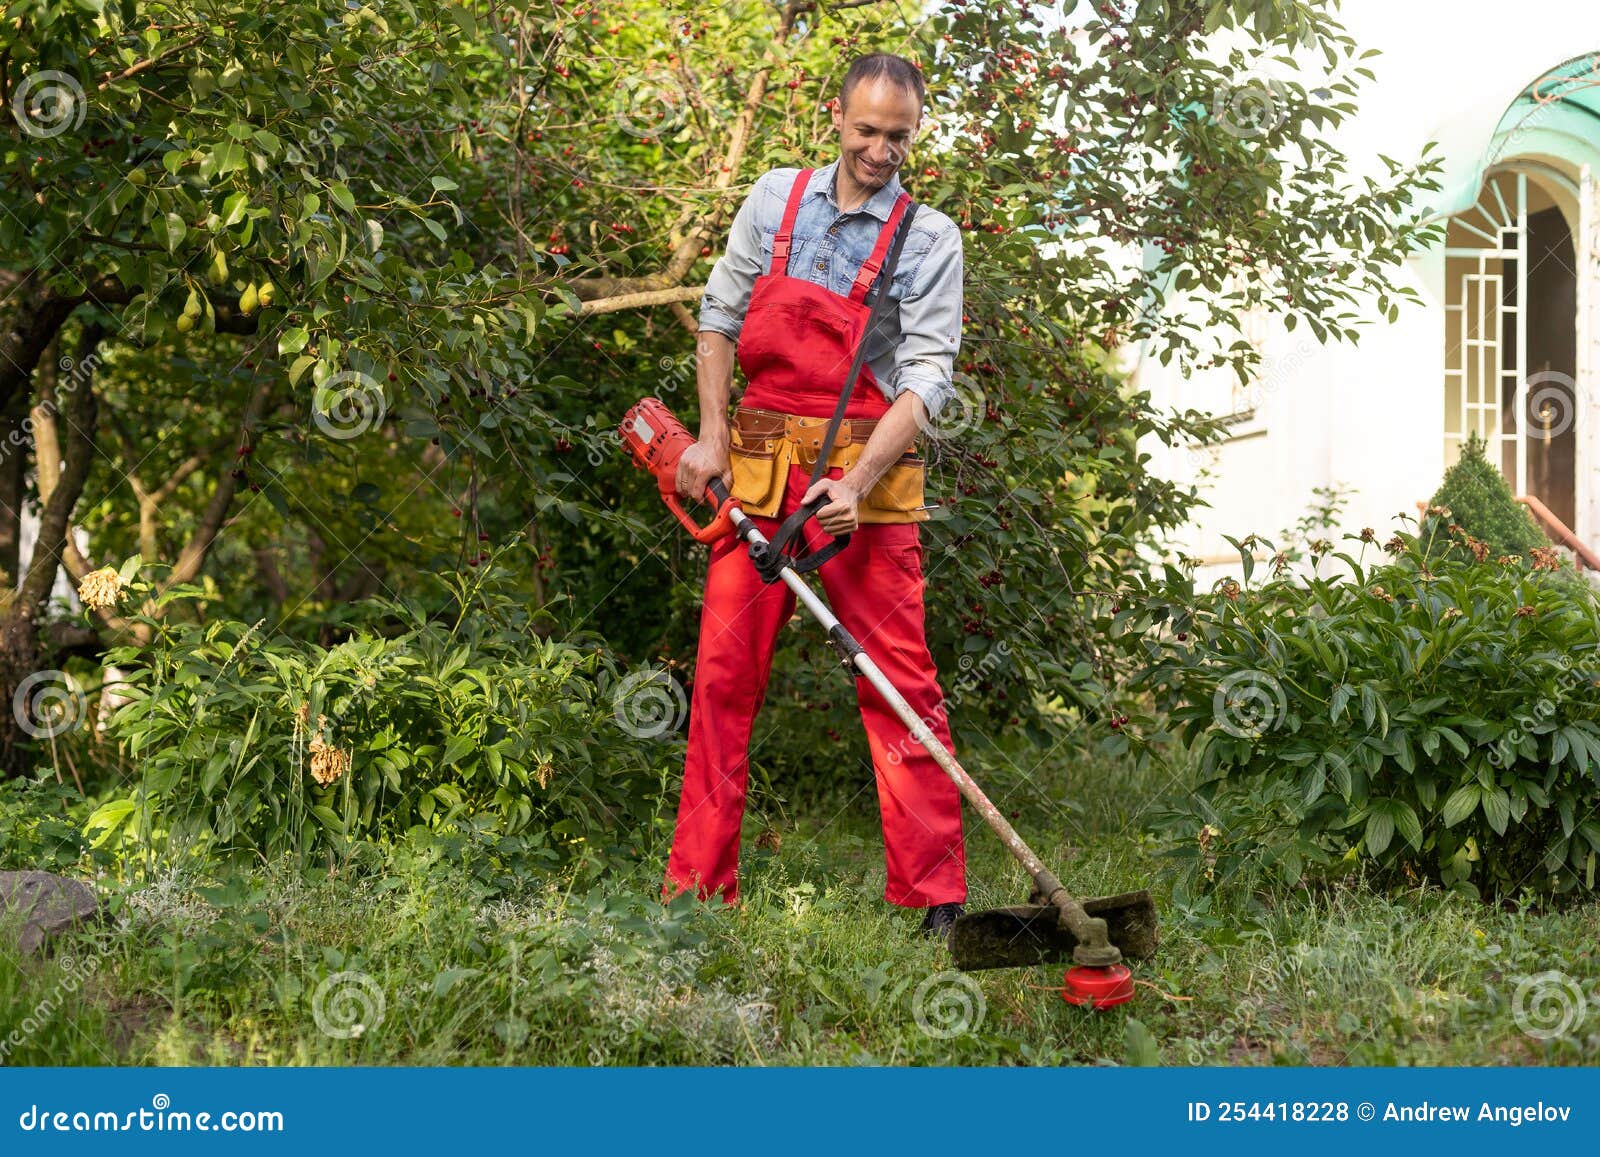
(930, 325)
(727, 294)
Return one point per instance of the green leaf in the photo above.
(1407, 823)
(1380, 830)
(448, 979)
(458, 746)
(173, 228)
(108, 817)
(1139, 1045)
(342, 197)
(1460, 804)
(234, 207)
(1497, 809)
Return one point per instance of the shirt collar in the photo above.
(879, 204)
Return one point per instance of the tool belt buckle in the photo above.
(807, 435)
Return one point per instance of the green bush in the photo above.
(1476, 497)
(1440, 719)
(465, 719)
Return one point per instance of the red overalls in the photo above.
(796, 346)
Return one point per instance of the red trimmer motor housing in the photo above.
(657, 440)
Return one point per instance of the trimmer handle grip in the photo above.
(771, 560)
(721, 523)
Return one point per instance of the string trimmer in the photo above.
(1052, 927)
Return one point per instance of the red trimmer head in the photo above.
(1097, 987)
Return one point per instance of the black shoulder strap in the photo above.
(788, 533)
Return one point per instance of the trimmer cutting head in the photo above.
(1035, 934)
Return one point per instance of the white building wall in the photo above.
(1371, 415)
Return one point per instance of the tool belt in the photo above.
(765, 443)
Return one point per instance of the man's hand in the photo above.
(838, 517)
(699, 465)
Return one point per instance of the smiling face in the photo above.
(875, 135)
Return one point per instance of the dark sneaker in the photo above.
(937, 920)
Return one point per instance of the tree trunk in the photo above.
(20, 644)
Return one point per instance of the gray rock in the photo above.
(40, 905)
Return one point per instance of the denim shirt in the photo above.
(915, 346)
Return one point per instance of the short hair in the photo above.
(897, 70)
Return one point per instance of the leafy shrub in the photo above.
(1475, 496)
(40, 825)
(461, 720)
(1441, 719)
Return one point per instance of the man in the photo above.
(790, 298)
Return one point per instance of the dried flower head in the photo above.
(1230, 590)
(1545, 558)
(1379, 592)
(1523, 612)
(1368, 534)
(1450, 613)
(100, 589)
(1395, 546)
(328, 763)
(543, 774)
(1321, 546)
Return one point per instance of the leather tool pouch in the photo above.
(765, 443)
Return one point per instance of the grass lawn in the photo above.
(427, 962)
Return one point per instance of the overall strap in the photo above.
(780, 243)
(870, 267)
